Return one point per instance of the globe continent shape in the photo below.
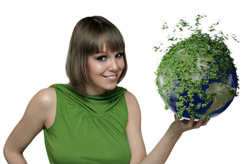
(215, 87)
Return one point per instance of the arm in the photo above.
(136, 143)
(163, 149)
(35, 118)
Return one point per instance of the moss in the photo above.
(191, 62)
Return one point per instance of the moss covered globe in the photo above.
(197, 76)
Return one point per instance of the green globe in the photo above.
(197, 77)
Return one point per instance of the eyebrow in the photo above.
(105, 52)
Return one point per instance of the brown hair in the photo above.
(89, 37)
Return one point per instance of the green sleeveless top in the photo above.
(88, 130)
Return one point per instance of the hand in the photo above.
(180, 126)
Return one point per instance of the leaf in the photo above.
(178, 63)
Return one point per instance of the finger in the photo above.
(205, 122)
(199, 123)
(175, 117)
(191, 122)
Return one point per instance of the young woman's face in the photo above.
(104, 70)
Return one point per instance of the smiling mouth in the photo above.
(111, 77)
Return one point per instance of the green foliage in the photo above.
(177, 66)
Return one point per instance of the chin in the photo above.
(111, 87)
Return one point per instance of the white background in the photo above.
(34, 38)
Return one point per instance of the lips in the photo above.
(110, 77)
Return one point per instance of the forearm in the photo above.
(14, 158)
(162, 150)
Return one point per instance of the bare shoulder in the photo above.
(132, 104)
(45, 96)
(43, 104)
(130, 99)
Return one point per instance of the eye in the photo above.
(101, 58)
(119, 55)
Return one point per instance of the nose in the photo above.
(113, 65)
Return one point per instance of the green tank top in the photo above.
(88, 130)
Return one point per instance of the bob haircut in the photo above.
(89, 37)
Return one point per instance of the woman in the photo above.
(91, 119)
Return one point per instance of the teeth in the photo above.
(110, 77)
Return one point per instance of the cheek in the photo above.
(121, 64)
(95, 72)
(94, 68)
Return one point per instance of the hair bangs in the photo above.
(111, 42)
(107, 38)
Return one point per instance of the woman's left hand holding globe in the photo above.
(180, 126)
